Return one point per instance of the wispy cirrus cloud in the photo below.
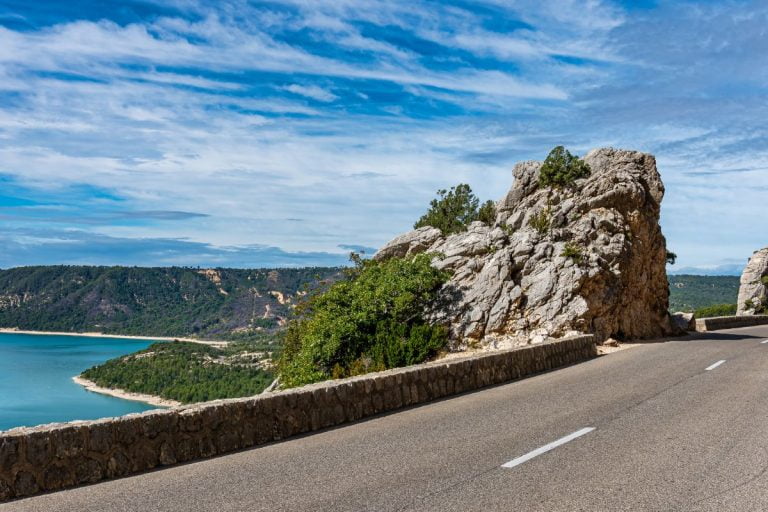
(321, 126)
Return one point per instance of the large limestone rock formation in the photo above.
(753, 290)
(589, 258)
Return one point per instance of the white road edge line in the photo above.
(715, 365)
(547, 447)
(764, 342)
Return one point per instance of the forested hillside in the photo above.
(205, 303)
(188, 372)
(689, 293)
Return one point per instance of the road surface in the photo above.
(680, 425)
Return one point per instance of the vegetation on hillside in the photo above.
(453, 210)
(562, 169)
(690, 293)
(372, 320)
(187, 372)
(716, 310)
(206, 303)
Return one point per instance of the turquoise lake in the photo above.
(36, 378)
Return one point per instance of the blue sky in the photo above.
(284, 133)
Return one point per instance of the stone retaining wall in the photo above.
(729, 322)
(60, 455)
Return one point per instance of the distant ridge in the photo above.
(174, 301)
(720, 270)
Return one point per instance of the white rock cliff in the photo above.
(588, 258)
(753, 288)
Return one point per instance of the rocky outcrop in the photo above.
(753, 289)
(683, 321)
(588, 258)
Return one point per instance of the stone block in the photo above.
(118, 464)
(70, 441)
(57, 476)
(100, 437)
(25, 484)
(10, 451)
(6, 492)
(39, 449)
(87, 470)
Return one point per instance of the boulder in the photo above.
(684, 321)
(588, 258)
(410, 243)
(753, 288)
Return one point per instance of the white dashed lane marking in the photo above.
(715, 365)
(547, 447)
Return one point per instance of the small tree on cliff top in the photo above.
(454, 209)
(561, 168)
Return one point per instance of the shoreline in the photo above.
(125, 395)
(12, 330)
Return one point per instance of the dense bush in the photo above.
(561, 168)
(373, 320)
(454, 209)
(716, 310)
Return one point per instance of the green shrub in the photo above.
(716, 310)
(454, 209)
(487, 213)
(759, 309)
(373, 320)
(541, 220)
(671, 257)
(764, 280)
(573, 252)
(562, 169)
(509, 230)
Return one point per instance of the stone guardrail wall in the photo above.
(60, 455)
(729, 322)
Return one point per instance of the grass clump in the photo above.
(573, 252)
(562, 169)
(541, 221)
(372, 320)
(509, 230)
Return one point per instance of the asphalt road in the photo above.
(668, 435)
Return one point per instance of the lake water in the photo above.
(36, 378)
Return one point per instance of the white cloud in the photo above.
(193, 114)
(311, 91)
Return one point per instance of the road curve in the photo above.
(679, 425)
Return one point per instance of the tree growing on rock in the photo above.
(453, 210)
(562, 169)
